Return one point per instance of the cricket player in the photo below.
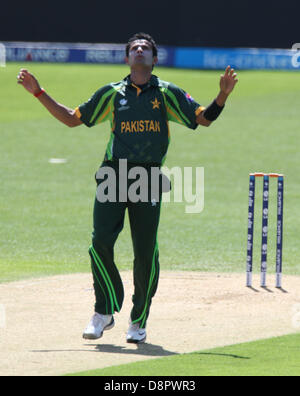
(139, 109)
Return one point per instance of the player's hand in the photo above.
(29, 82)
(228, 81)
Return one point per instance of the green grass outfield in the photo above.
(46, 209)
(278, 356)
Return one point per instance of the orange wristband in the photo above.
(39, 93)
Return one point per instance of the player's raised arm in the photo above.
(227, 83)
(64, 114)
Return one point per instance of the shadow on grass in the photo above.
(221, 354)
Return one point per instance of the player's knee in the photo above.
(102, 241)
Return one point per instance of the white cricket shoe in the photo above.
(97, 325)
(135, 335)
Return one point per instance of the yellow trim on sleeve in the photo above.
(199, 110)
(103, 115)
(77, 112)
(175, 116)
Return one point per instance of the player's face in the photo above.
(141, 53)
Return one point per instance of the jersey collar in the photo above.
(152, 82)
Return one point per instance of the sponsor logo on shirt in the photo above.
(123, 103)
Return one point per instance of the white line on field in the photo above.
(57, 160)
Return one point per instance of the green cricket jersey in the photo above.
(139, 117)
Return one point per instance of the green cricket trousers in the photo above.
(108, 223)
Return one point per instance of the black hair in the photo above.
(141, 36)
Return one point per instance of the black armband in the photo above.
(212, 112)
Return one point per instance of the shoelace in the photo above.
(136, 327)
(97, 319)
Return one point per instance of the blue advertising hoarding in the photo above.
(76, 53)
(196, 58)
(238, 58)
